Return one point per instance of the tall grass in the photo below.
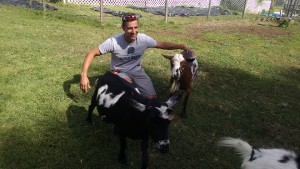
(248, 88)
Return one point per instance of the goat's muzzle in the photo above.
(176, 74)
(191, 59)
(163, 146)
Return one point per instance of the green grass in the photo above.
(248, 88)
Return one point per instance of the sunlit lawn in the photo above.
(248, 88)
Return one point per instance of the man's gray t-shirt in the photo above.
(126, 57)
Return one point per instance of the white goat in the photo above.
(262, 158)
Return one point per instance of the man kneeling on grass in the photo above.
(126, 50)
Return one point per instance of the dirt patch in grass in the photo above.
(260, 29)
(255, 28)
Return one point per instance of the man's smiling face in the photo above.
(131, 30)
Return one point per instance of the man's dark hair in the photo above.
(127, 17)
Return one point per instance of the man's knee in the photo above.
(150, 97)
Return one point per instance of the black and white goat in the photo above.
(184, 71)
(262, 158)
(134, 116)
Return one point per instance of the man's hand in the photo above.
(186, 48)
(84, 83)
(188, 54)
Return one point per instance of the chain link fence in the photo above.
(169, 8)
(188, 7)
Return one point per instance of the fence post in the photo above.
(244, 11)
(271, 8)
(294, 8)
(44, 6)
(166, 10)
(209, 9)
(287, 9)
(101, 11)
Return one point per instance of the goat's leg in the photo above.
(92, 107)
(116, 130)
(185, 101)
(122, 156)
(145, 158)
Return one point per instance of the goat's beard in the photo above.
(174, 87)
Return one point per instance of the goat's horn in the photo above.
(167, 56)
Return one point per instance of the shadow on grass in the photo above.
(76, 81)
(53, 144)
(224, 102)
(105, 143)
(232, 102)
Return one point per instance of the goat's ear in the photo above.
(171, 114)
(167, 56)
(173, 100)
(173, 117)
(176, 119)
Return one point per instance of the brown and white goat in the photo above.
(184, 71)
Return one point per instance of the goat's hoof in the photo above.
(89, 120)
(144, 167)
(116, 130)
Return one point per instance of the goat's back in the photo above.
(262, 158)
(113, 101)
(271, 159)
